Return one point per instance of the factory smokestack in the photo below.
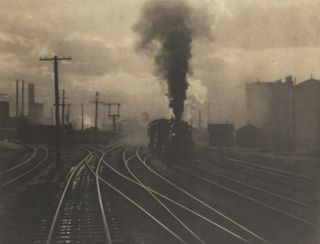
(22, 99)
(31, 94)
(17, 98)
(167, 28)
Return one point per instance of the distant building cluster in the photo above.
(288, 114)
(281, 115)
(13, 127)
(33, 115)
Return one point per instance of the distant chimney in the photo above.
(31, 93)
(289, 80)
(22, 99)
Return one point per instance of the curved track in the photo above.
(175, 206)
(25, 168)
(233, 185)
(75, 211)
(291, 179)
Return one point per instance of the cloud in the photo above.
(250, 39)
(269, 24)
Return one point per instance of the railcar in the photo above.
(170, 139)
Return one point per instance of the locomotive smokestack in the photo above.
(167, 29)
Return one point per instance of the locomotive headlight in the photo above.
(173, 134)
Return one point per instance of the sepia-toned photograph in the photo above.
(159, 122)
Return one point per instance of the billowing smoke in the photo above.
(167, 29)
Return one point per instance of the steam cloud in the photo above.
(167, 29)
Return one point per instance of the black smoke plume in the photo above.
(167, 28)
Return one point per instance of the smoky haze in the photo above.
(167, 29)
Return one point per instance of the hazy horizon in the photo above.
(249, 40)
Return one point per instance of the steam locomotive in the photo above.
(170, 139)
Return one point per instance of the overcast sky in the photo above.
(250, 40)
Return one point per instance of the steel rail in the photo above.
(256, 188)
(104, 218)
(66, 187)
(248, 197)
(202, 202)
(28, 171)
(35, 149)
(268, 169)
(178, 204)
(137, 205)
(126, 161)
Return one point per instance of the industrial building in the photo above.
(307, 115)
(4, 114)
(221, 135)
(269, 107)
(249, 136)
(35, 112)
(288, 114)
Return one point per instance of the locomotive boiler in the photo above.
(170, 139)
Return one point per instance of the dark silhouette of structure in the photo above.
(306, 120)
(113, 115)
(96, 102)
(35, 111)
(82, 122)
(249, 136)
(288, 114)
(221, 135)
(56, 60)
(269, 107)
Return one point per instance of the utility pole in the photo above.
(113, 116)
(52, 115)
(104, 119)
(96, 102)
(63, 104)
(208, 114)
(200, 119)
(17, 98)
(82, 117)
(22, 99)
(55, 60)
(64, 116)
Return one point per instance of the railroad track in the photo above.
(20, 171)
(291, 208)
(86, 212)
(179, 212)
(131, 192)
(287, 182)
(8, 158)
(79, 216)
(287, 212)
(286, 175)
